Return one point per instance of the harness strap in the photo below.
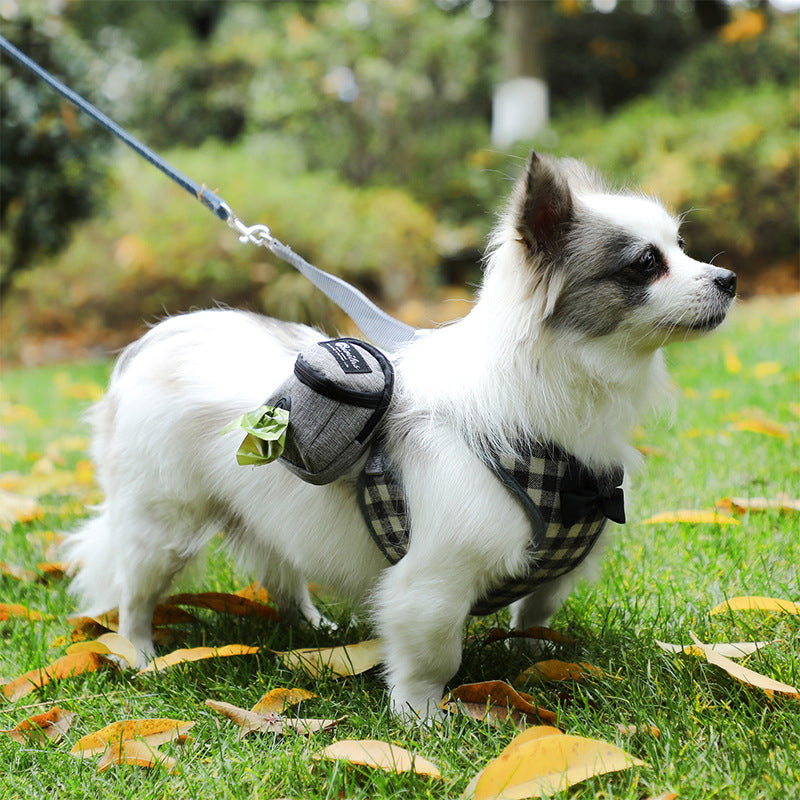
(382, 328)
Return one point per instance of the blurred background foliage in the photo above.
(360, 132)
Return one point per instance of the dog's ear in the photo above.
(542, 205)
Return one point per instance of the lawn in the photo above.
(733, 434)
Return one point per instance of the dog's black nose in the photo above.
(726, 280)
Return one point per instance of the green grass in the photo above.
(717, 737)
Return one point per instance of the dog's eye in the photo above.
(681, 243)
(648, 263)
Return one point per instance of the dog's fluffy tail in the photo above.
(92, 553)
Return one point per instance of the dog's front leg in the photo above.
(420, 620)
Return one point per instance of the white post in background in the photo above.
(520, 106)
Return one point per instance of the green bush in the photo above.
(157, 250)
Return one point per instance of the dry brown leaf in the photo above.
(277, 700)
(224, 603)
(351, 659)
(542, 634)
(543, 766)
(9, 610)
(183, 656)
(757, 604)
(64, 667)
(743, 674)
(270, 722)
(496, 702)
(741, 504)
(107, 644)
(136, 753)
(51, 725)
(152, 731)
(163, 615)
(555, 670)
(380, 755)
(53, 570)
(692, 516)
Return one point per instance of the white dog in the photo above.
(560, 352)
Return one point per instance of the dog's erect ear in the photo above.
(542, 205)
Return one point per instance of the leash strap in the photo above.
(382, 328)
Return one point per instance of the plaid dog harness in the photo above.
(566, 503)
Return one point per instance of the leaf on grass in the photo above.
(740, 505)
(53, 570)
(380, 755)
(255, 592)
(18, 573)
(496, 702)
(351, 659)
(163, 615)
(732, 362)
(744, 675)
(555, 670)
(197, 654)
(727, 649)
(225, 604)
(630, 730)
(542, 766)
(51, 725)
(152, 731)
(278, 700)
(136, 753)
(766, 426)
(9, 610)
(542, 634)
(766, 368)
(271, 722)
(692, 516)
(107, 644)
(17, 508)
(64, 667)
(757, 604)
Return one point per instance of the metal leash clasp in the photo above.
(255, 234)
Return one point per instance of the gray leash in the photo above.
(383, 329)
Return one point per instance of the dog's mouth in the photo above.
(703, 325)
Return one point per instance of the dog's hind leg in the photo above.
(289, 591)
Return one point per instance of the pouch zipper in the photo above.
(307, 375)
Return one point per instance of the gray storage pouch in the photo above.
(338, 393)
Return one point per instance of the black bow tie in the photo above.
(582, 493)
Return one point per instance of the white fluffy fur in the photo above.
(171, 480)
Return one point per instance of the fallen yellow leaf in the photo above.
(351, 659)
(64, 667)
(255, 592)
(742, 504)
(17, 508)
(197, 654)
(107, 644)
(757, 604)
(380, 755)
(692, 516)
(270, 722)
(277, 700)
(9, 610)
(765, 426)
(727, 649)
(136, 753)
(732, 362)
(766, 368)
(554, 670)
(153, 731)
(744, 675)
(543, 766)
(51, 725)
